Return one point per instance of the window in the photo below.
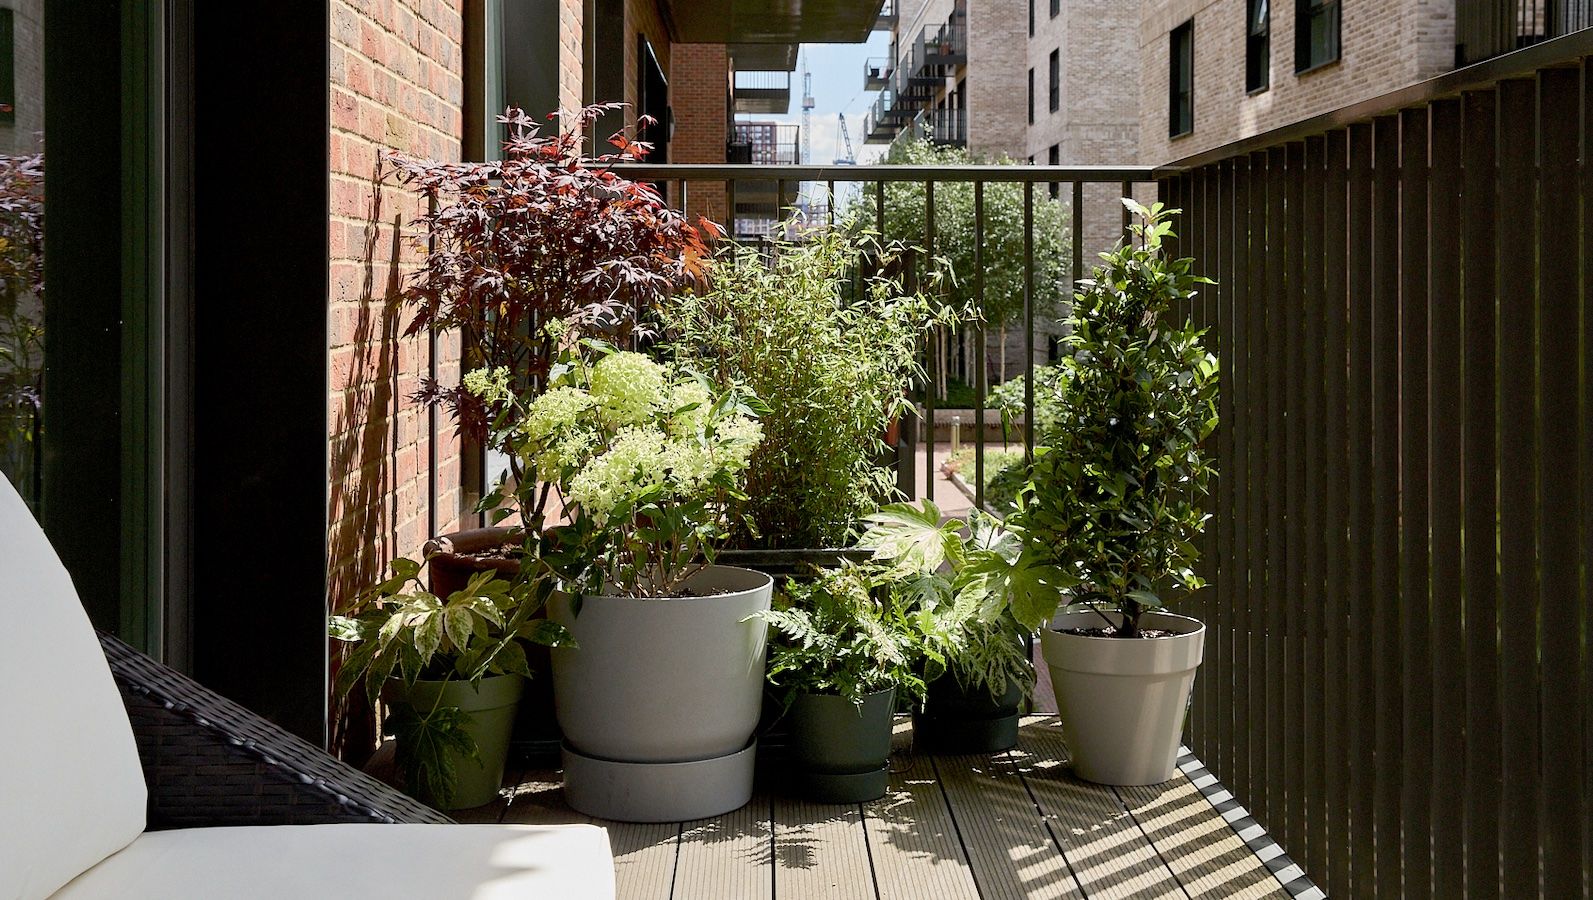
(1031, 96)
(1056, 80)
(1031, 18)
(8, 85)
(1181, 80)
(1316, 33)
(1258, 45)
(1056, 8)
(1053, 157)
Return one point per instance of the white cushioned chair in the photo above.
(120, 778)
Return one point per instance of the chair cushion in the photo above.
(353, 862)
(71, 788)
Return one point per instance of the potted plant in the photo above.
(545, 234)
(659, 700)
(842, 645)
(974, 582)
(1114, 502)
(451, 670)
(826, 332)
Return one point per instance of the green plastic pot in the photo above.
(491, 707)
(958, 720)
(840, 751)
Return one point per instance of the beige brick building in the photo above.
(1381, 45)
(22, 130)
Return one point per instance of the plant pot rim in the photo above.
(883, 690)
(763, 581)
(1176, 619)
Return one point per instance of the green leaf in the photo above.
(459, 625)
(428, 635)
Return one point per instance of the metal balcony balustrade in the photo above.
(1396, 682)
(762, 92)
(1487, 28)
(877, 71)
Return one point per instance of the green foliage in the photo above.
(846, 632)
(905, 220)
(399, 629)
(1120, 470)
(826, 332)
(428, 744)
(21, 316)
(977, 582)
(1005, 475)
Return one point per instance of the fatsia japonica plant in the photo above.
(545, 234)
(1120, 469)
(977, 583)
(645, 458)
(398, 629)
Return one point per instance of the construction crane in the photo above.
(807, 113)
(843, 139)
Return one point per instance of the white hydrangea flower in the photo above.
(690, 404)
(555, 412)
(633, 463)
(491, 385)
(629, 387)
(734, 441)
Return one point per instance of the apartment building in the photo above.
(951, 77)
(1213, 71)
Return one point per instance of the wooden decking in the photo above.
(1015, 825)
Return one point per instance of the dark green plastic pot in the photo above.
(840, 751)
(958, 720)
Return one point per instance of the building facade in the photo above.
(951, 77)
(1213, 71)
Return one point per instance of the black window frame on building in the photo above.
(1054, 73)
(8, 55)
(1031, 95)
(1031, 18)
(1181, 80)
(1318, 34)
(1053, 157)
(1056, 8)
(1258, 45)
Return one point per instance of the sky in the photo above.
(837, 88)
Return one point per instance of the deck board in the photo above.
(1012, 853)
(820, 852)
(1014, 826)
(1109, 854)
(913, 841)
(727, 856)
(1204, 853)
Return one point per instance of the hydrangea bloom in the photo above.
(628, 386)
(634, 463)
(690, 403)
(491, 385)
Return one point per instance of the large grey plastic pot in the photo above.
(669, 681)
(1122, 701)
(491, 707)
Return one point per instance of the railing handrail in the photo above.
(985, 173)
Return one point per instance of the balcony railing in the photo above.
(1487, 28)
(877, 71)
(945, 46)
(1396, 681)
(947, 127)
(887, 17)
(767, 93)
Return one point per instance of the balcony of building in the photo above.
(762, 92)
(877, 72)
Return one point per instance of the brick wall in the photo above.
(572, 49)
(641, 17)
(395, 83)
(699, 92)
(997, 78)
(1385, 45)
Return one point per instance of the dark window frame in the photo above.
(1054, 74)
(1315, 19)
(1181, 80)
(1031, 95)
(1056, 8)
(1053, 157)
(1031, 18)
(1258, 45)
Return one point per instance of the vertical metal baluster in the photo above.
(1028, 323)
(779, 205)
(979, 345)
(829, 203)
(730, 208)
(1128, 191)
(931, 345)
(1078, 236)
